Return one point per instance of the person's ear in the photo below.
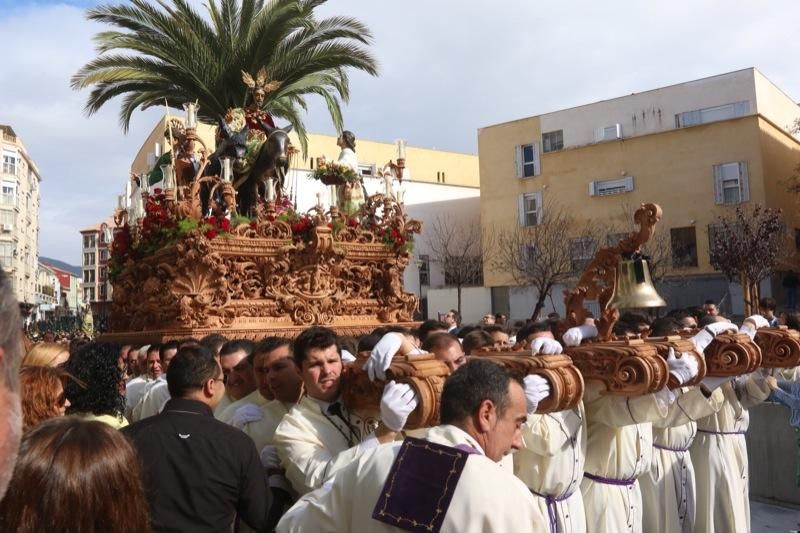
(486, 416)
(210, 387)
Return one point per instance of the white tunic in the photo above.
(262, 431)
(551, 465)
(487, 499)
(348, 157)
(153, 399)
(719, 454)
(313, 444)
(668, 489)
(254, 398)
(134, 391)
(619, 449)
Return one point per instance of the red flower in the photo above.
(254, 224)
(352, 222)
(212, 220)
(225, 224)
(211, 233)
(157, 190)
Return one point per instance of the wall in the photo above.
(771, 436)
(775, 105)
(475, 302)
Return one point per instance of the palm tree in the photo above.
(171, 53)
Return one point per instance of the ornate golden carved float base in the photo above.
(680, 346)
(780, 347)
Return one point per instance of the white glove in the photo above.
(574, 336)
(398, 401)
(347, 357)
(712, 383)
(747, 326)
(536, 389)
(245, 414)
(545, 346)
(382, 354)
(269, 458)
(684, 369)
(706, 335)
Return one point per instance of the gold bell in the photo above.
(634, 288)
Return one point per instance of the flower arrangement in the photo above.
(334, 174)
(395, 237)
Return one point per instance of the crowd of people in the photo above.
(219, 434)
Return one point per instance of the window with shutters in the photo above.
(609, 187)
(712, 114)
(9, 164)
(6, 254)
(530, 208)
(527, 156)
(731, 184)
(684, 246)
(553, 141)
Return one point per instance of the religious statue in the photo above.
(349, 195)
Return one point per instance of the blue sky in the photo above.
(448, 67)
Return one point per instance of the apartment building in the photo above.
(95, 247)
(698, 149)
(19, 217)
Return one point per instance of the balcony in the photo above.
(8, 199)
(9, 138)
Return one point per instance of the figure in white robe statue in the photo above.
(350, 195)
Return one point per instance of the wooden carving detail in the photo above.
(566, 382)
(262, 277)
(680, 346)
(731, 354)
(423, 372)
(780, 347)
(628, 368)
(598, 279)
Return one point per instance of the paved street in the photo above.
(766, 518)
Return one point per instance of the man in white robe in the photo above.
(240, 382)
(156, 394)
(136, 387)
(320, 436)
(483, 409)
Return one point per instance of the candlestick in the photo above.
(270, 189)
(169, 178)
(319, 199)
(120, 204)
(387, 185)
(226, 169)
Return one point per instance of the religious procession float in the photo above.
(221, 248)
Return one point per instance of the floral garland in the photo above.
(333, 173)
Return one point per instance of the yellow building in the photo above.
(698, 149)
(19, 216)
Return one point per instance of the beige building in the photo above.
(698, 149)
(95, 249)
(19, 217)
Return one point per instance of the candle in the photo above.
(401, 149)
(169, 178)
(270, 189)
(332, 192)
(387, 184)
(120, 203)
(191, 115)
(157, 150)
(226, 169)
(319, 199)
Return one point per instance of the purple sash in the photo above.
(609, 481)
(551, 501)
(676, 450)
(721, 432)
(420, 485)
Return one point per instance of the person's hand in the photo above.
(380, 359)
(751, 324)
(684, 369)
(574, 336)
(398, 401)
(704, 337)
(536, 389)
(545, 346)
(772, 382)
(246, 414)
(270, 459)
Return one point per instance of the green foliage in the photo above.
(170, 52)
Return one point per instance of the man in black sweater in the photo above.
(198, 472)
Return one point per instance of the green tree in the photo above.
(169, 51)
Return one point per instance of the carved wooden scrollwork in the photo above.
(780, 347)
(626, 368)
(680, 346)
(731, 354)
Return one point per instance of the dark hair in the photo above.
(705, 320)
(494, 328)
(154, 348)
(661, 327)
(463, 331)
(426, 327)
(622, 328)
(95, 365)
(77, 343)
(164, 348)
(191, 367)
(236, 345)
(316, 337)
(767, 303)
(634, 318)
(456, 316)
(368, 342)
(66, 471)
(476, 340)
(710, 302)
(530, 328)
(439, 341)
(213, 341)
(267, 345)
(472, 384)
(187, 341)
(793, 320)
(346, 342)
(349, 139)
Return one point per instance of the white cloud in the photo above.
(448, 67)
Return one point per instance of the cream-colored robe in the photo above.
(153, 399)
(719, 454)
(487, 499)
(551, 464)
(312, 449)
(620, 447)
(227, 414)
(134, 391)
(262, 431)
(223, 404)
(668, 488)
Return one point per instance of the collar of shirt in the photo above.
(188, 406)
(452, 436)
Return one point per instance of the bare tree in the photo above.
(544, 254)
(746, 247)
(456, 246)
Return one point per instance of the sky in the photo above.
(447, 68)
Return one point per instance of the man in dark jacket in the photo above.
(198, 472)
